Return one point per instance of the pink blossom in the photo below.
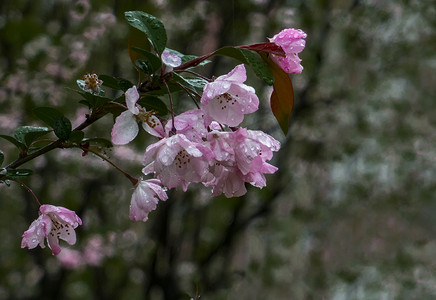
(178, 161)
(145, 199)
(227, 99)
(227, 180)
(252, 150)
(190, 124)
(292, 42)
(126, 124)
(240, 157)
(53, 223)
(170, 60)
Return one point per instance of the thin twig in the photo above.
(190, 92)
(130, 177)
(173, 128)
(28, 189)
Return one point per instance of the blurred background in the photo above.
(349, 215)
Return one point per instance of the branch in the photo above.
(56, 144)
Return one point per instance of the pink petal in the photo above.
(132, 96)
(125, 128)
(171, 59)
(65, 215)
(53, 244)
(238, 74)
(154, 127)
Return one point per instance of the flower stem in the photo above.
(173, 128)
(28, 189)
(190, 92)
(130, 177)
(196, 74)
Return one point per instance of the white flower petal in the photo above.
(125, 128)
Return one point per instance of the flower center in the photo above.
(182, 159)
(148, 117)
(226, 99)
(92, 82)
(58, 228)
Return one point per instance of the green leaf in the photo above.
(144, 66)
(2, 157)
(28, 134)
(259, 66)
(282, 97)
(152, 60)
(62, 128)
(98, 141)
(252, 59)
(151, 26)
(110, 82)
(151, 103)
(195, 84)
(47, 114)
(94, 100)
(18, 173)
(12, 140)
(84, 102)
(124, 84)
(76, 136)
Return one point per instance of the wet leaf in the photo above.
(252, 59)
(29, 134)
(110, 82)
(62, 128)
(18, 173)
(12, 140)
(151, 103)
(76, 136)
(151, 26)
(47, 114)
(154, 63)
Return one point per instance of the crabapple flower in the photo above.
(252, 150)
(227, 99)
(240, 157)
(170, 60)
(190, 124)
(226, 180)
(178, 161)
(145, 198)
(54, 223)
(292, 42)
(126, 124)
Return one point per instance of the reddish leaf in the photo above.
(265, 47)
(282, 97)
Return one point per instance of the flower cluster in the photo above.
(203, 145)
(206, 146)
